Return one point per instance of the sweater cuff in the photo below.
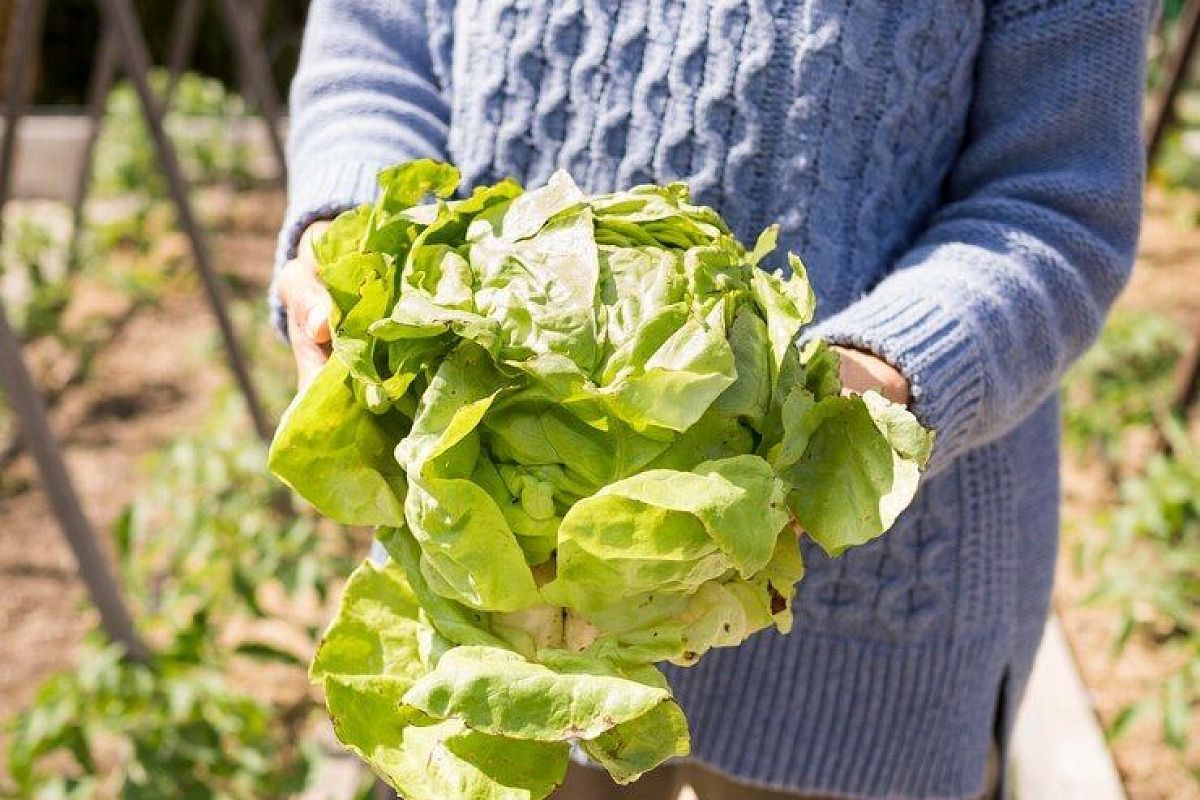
(315, 195)
(934, 350)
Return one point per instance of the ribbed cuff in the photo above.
(930, 345)
(316, 194)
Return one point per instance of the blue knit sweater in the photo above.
(963, 180)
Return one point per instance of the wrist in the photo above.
(861, 371)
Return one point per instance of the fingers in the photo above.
(309, 354)
(861, 371)
(307, 305)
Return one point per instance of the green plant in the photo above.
(215, 562)
(584, 429)
(201, 124)
(174, 728)
(214, 531)
(1175, 166)
(1151, 574)
(1123, 382)
(28, 251)
(1175, 706)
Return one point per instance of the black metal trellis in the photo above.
(1177, 65)
(183, 39)
(243, 26)
(21, 390)
(243, 23)
(122, 42)
(120, 18)
(103, 70)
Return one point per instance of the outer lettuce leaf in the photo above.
(345, 236)
(338, 455)
(668, 531)
(747, 524)
(369, 658)
(407, 184)
(539, 703)
(470, 554)
(612, 547)
(749, 397)
(392, 225)
(377, 633)
(542, 289)
(787, 305)
(453, 621)
(439, 760)
(427, 759)
(443, 441)
(635, 283)
(667, 626)
(850, 449)
(528, 213)
(633, 748)
(677, 383)
(630, 749)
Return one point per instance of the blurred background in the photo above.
(138, 307)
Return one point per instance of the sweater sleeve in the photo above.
(1012, 277)
(366, 94)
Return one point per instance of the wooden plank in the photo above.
(1058, 748)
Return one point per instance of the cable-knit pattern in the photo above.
(816, 39)
(526, 67)
(953, 219)
(685, 76)
(562, 41)
(739, 117)
(615, 107)
(439, 18)
(587, 81)
(650, 94)
(477, 115)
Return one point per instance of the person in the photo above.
(963, 179)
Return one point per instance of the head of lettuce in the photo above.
(583, 429)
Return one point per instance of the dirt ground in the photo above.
(150, 385)
(1167, 280)
(156, 380)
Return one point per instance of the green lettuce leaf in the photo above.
(540, 703)
(851, 449)
(588, 440)
(338, 455)
(633, 748)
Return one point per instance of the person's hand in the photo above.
(861, 371)
(307, 305)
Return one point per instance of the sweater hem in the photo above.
(912, 726)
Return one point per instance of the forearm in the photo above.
(1014, 275)
(366, 95)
